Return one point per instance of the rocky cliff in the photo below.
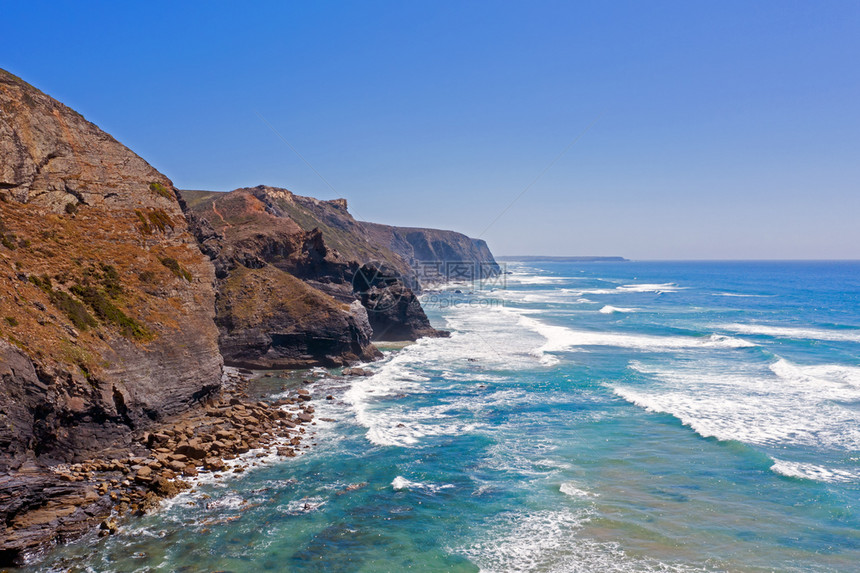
(106, 302)
(435, 255)
(118, 295)
(299, 280)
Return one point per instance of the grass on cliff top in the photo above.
(348, 242)
(196, 198)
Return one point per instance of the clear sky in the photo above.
(717, 129)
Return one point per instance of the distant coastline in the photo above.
(536, 258)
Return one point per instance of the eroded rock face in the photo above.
(270, 319)
(106, 302)
(23, 393)
(395, 313)
(436, 255)
(38, 506)
(284, 295)
(266, 237)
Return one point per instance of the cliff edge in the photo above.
(119, 295)
(299, 283)
(106, 302)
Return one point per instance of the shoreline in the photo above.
(225, 435)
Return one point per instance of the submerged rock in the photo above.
(356, 372)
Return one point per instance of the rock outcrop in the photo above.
(299, 283)
(266, 238)
(39, 508)
(435, 255)
(119, 294)
(106, 302)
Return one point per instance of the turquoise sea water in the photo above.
(582, 417)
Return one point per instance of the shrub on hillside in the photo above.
(176, 268)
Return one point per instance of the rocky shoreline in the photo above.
(223, 436)
(122, 299)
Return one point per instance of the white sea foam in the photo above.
(608, 309)
(743, 295)
(542, 296)
(526, 460)
(797, 333)
(405, 425)
(564, 294)
(401, 483)
(781, 405)
(229, 501)
(529, 279)
(546, 297)
(484, 340)
(527, 541)
(553, 463)
(560, 338)
(651, 287)
(635, 288)
(572, 489)
(832, 375)
(814, 472)
(551, 541)
(304, 505)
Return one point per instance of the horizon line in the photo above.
(618, 258)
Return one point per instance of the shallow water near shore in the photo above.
(581, 417)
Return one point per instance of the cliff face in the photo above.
(298, 281)
(107, 305)
(434, 254)
(116, 293)
(106, 302)
(268, 316)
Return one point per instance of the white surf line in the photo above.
(794, 332)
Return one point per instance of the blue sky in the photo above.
(718, 129)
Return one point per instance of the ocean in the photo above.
(631, 416)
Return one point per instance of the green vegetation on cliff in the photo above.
(174, 267)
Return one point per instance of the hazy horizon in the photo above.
(656, 260)
(664, 131)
